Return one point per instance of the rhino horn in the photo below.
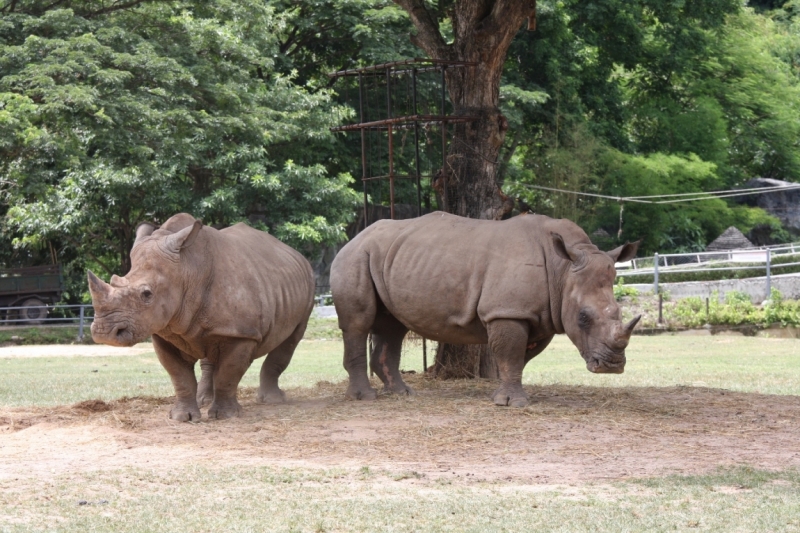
(184, 238)
(628, 328)
(97, 287)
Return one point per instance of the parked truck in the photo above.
(30, 290)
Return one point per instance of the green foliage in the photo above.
(165, 107)
(621, 291)
(736, 310)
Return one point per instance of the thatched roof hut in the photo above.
(731, 239)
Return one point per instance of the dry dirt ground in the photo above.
(568, 434)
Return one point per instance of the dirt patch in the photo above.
(451, 429)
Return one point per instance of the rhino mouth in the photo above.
(597, 365)
(114, 335)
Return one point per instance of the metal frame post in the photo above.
(80, 324)
(769, 273)
(416, 147)
(391, 141)
(445, 196)
(363, 147)
(655, 273)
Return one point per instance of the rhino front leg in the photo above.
(205, 389)
(508, 339)
(181, 372)
(234, 360)
(275, 363)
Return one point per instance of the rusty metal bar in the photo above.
(396, 176)
(363, 147)
(407, 120)
(391, 141)
(445, 195)
(416, 142)
(384, 66)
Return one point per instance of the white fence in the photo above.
(721, 261)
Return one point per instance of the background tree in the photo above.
(117, 116)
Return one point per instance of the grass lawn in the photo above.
(745, 364)
(243, 499)
(196, 495)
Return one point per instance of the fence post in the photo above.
(80, 327)
(769, 284)
(655, 273)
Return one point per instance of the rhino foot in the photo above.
(402, 390)
(204, 397)
(225, 409)
(512, 397)
(361, 394)
(272, 396)
(183, 413)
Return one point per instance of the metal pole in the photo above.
(80, 326)
(424, 356)
(416, 155)
(391, 172)
(769, 281)
(655, 273)
(363, 147)
(660, 308)
(391, 144)
(445, 198)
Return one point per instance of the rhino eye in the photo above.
(147, 294)
(584, 320)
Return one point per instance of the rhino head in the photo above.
(131, 308)
(589, 312)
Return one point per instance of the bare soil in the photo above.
(569, 434)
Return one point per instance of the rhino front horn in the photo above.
(97, 286)
(632, 324)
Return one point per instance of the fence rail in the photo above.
(57, 315)
(717, 261)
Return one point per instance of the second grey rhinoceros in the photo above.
(224, 296)
(513, 284)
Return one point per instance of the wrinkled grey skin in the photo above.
(225, 297)
(513, 284)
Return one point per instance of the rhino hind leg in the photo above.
(355, 362)
(181, 372)
(387, 344)
(275, 363)
(509, 339)
(205, 388)
(234, 360)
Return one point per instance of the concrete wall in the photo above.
(756, 288)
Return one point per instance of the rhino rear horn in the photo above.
(563, 250)
(184, 238)
(97, 287)
(626, 252)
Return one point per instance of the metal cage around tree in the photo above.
(403, 114)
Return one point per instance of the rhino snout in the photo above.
(115, 335)
(604, 366)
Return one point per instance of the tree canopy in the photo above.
(112, 113)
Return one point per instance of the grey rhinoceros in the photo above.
(513, 284)
(224, 296)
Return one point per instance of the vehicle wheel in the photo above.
(33, 311)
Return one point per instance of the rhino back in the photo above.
(446, 276)
(258, 288)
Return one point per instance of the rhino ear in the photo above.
(626, 252)
(563, 250)
(97, 287)
(184, 238)
(143, 230)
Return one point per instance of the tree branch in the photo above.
(428, 36)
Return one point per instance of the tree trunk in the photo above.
(483, 30)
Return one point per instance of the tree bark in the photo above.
(483, 31)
